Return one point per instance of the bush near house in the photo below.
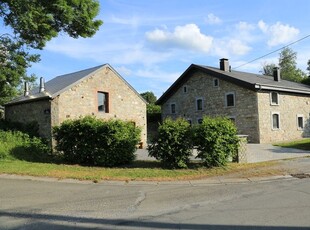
(216, 140)
(92, 141)
(15, 145)
(173, 144)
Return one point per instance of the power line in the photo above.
(272, 52)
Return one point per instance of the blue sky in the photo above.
(151, 43)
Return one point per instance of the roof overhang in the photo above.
(282, 89)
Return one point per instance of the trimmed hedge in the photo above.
(216, 140)
(92, 141)
(173, 145)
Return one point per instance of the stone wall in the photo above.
(289, 107)
(200, 86)
(36, 111)
(81, 100)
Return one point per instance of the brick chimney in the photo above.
(276, 74)
(224, 64)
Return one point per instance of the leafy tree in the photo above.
(287, 63)
(33, 23)
(268, 69)
(308, 68)
(149, 97)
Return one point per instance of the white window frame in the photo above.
(234, 95)
(279, 121)
(175, 108)
(218, 82)
(202, 103)
(303, 121)
(271, 102)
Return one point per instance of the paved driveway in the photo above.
(254, 153)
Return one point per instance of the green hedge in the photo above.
(173, 145)
(216, 140)
(93, 141)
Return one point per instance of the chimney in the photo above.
(224, 64)
(42, 87)
(26, 88)
(276, 74)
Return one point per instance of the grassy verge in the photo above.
(140, 171)
(303, 144)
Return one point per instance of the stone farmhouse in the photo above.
(99, 91)
(266, 108)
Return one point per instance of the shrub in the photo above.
(31, 128)
(216, 140)
(18, 145)
(173, 145)
(92, 141)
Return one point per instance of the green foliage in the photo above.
(288, 68)
(93, 141)
(38, 21)
(268, 69)
(287, 63)
(173, 145)
(14, 61)
(31, 128)
(149, 97)
(34, 22)
(216, 140)
(18, 145)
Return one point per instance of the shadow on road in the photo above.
(46, 221)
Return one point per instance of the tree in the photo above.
(33, 23)
(149, 97)
(308, 68)
(287, 63)
(268, 69)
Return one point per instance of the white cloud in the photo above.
(237, 47)
(213, 20)
(183, 37)
(278, 33)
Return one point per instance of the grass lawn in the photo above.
(140, 171)
(303, 144)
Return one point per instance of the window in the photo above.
(199, 104)
(215, 82)
(172, 108)
(300, 122)
(103, 102)
(230, 99)
(199, 120)
(185, 89)
(275, 121)
(274, 98)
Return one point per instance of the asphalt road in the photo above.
(271, 205)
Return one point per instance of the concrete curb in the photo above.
(208, 181)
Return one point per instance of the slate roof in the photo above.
(61, 83)
(247, 80)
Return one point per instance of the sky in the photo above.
(151, 43)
